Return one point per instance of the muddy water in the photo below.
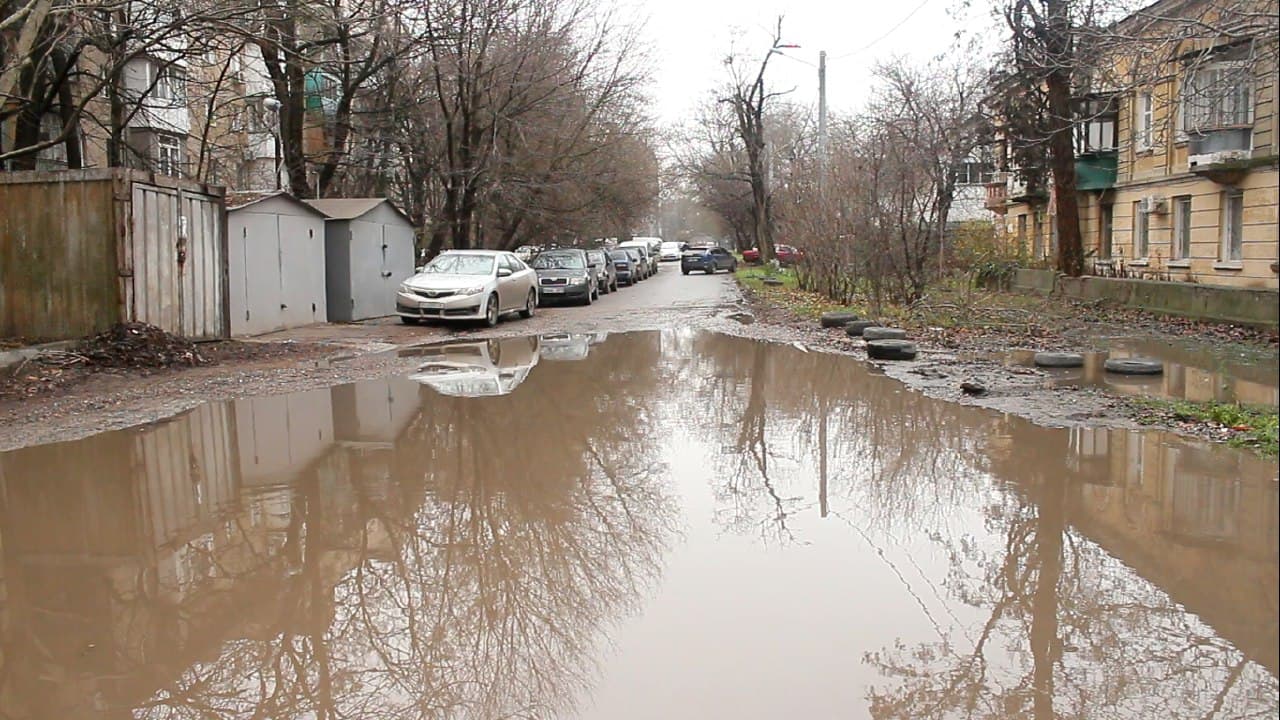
(1188, 374)
(651, 525)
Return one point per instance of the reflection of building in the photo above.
(1187, 517)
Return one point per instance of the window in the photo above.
(1095, 129)
(1145, 122)
(1037, 234)
(973, 173)
(1105, 228)
(1217, 95)
(1181, 228)
(1232, 226)
(1022, 232)
(168, 155)
(1140, 228)
(168, 84)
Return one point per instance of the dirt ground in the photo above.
(42, 403)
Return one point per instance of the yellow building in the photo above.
(1177, 163)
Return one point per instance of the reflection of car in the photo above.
(787, 255)
(650, 259)
(564, 346)
(606, 274)
(708, 260)
(624, 267)
(476, 369)
(468, 285)
(565, 275)
(670, 251)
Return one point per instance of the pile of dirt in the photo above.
(138, 345)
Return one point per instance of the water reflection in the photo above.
(377, 550)
(484, 368)
(1188, 375)
(830, 545)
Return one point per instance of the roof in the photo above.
(473, 251)
(277, 194)
(352, 208)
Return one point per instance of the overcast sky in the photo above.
(690, 39)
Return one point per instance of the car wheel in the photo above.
(491, 311)
(711, 270)
(684, 271)
(614, 287)
(410, 320)
(530, 303)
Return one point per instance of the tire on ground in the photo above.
(1134, 366)
(854, 328)
(1058, 360)
(891, 350)
(884, 333)
(837, 319)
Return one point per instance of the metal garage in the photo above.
(368, 253)
(276, 264)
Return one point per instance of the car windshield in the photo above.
(595, 257)
(459, 264)
(620, 255)
(559, 261)
(670, 246)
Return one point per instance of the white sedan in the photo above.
(468, 285)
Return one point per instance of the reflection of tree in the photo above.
(467, 570)
(1069, 632)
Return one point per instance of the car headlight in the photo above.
(578, 281)
(476, 290)
(406, 288)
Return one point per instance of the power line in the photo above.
(886, 33)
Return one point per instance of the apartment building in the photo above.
(1177, 167)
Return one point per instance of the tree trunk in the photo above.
(1062, 157)
(1045, 645)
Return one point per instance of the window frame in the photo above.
(1141, 233)
(1144, 125)
(1241, 95)
(1231, 242)
(168, 166)
(1106, 231)
(1180, 240)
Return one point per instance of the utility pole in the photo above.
(822, 120)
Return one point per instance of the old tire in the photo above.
(837, 319)
(854, 328)
(1133, 366)
(891, 350)
(883, 333)
(1058, 360)
(530, 303)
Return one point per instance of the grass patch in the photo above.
(1252, 427)
(788, 295)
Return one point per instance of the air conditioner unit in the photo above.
(1153, 205)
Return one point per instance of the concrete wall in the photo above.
(1246, 306)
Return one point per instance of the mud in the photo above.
(677, 523)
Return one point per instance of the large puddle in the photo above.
(650, 525)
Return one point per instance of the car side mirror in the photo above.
(504, 272)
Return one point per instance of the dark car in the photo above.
(606, 274)
(624, 267)
(564, 274)
(707, 259)
(638, 261)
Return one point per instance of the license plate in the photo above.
(553, 290)
(430, 305)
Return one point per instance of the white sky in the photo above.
(690, 38)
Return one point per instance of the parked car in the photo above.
(624, 267)
(606, 274)
(564, 274)
(476, 369)
(650, 259)
(468, 285)
(638, 259)
(526, 252)
(670, 251)
(708, 259)
(787, 255)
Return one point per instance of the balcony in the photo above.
(1222, 155)
(1096, 171)
(1021, 191)
(997, 192)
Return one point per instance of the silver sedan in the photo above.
(468, 285)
